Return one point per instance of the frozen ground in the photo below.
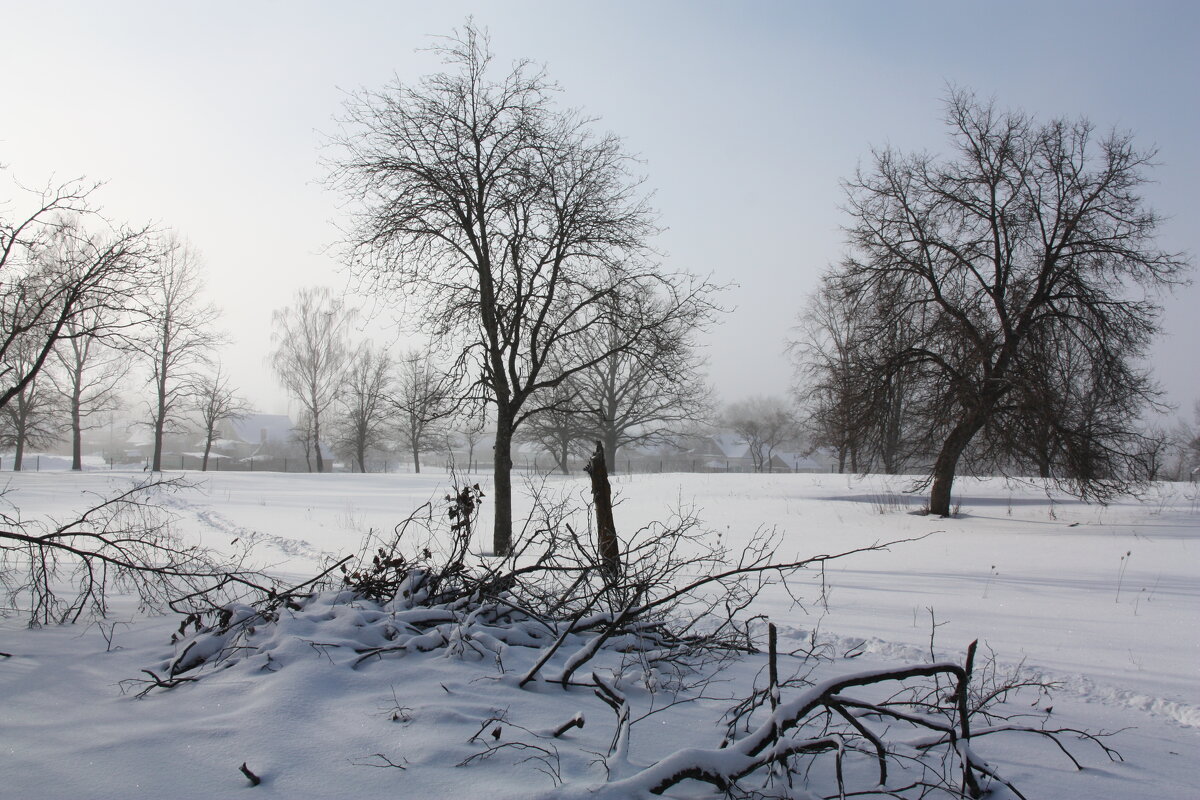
(1103, 601)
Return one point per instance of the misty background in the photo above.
(211, 120)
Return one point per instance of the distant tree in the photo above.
(366, 416)
(423, 399)
(312, 349)
(216, 402)
(509, 221)
(304, 437)
(87, 376)
(33, 416)
(471, 429)
(65, 272)
(1030, 243)
(646, 395)
(1185, 447)
(869, 425)
(827, 383)
(764, 424)
(558, 427)
(178, 339)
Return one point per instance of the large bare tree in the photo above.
(178, 338)
(312, 349)
(506, 223)
(1026, 262)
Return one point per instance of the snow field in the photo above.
(1101, 600)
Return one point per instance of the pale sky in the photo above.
(208, 118)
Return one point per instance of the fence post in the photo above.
(39, 463)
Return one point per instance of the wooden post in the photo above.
(606, 528)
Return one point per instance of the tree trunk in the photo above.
(610, 447)
(160, 418)
(317, 443)
(564, 454)
(207, 449)
(947, 461)
(76, 433)
(502, 531)
(606, 527)
(19, 455)
(416, 459)
(159, 423)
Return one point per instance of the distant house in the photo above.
(796, 462)
(265, 439)
(259, 432)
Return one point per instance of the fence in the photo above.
(432, 462)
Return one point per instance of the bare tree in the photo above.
(58, 280)
(178, 339)
(423, 399)
(559, 427)
(33, 416)
(88, 374)
(304, 438)
(764, 424)
(866, 423)
(216, 402)
(366, 415)
(644, 396)
(1190, 438)
(60, 570)
(1031, 241)
(471, 430)
(311, 351)
(507, 221)
(826, 381)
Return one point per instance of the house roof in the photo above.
(254, 428)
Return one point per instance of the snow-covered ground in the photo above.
(1103, 601)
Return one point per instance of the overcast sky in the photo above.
(209, 117)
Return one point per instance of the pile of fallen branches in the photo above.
(676, 600)
(59, 570)
(671, 613)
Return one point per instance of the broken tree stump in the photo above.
(606, 528)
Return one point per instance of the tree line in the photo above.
(82, 300)
(992, 311)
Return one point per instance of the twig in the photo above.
(254, 779)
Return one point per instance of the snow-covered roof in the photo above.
(261, 428)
